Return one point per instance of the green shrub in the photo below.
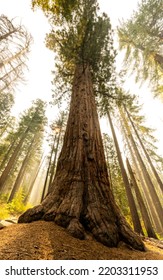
(14, 208)
(3, 198)
(4, 213)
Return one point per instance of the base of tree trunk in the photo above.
(95, 221)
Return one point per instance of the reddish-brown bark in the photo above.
(81, 199)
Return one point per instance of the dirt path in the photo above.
(45, 241)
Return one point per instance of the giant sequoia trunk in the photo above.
(81, 198)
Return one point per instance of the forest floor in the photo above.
(46, 241)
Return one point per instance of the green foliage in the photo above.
(83, 38)
(141, 36)
(82, 41)
(3, 198)
(33, 118)
(14, 208)
(158, 92)
(6, 103)
(24, 143)
(4, 213)
(129, 219)
(58, 7)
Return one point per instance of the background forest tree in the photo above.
(15, 44)
(141, 36)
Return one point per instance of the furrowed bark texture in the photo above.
(81, 199)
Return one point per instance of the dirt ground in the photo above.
(46, 241)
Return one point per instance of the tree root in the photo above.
(109, 234)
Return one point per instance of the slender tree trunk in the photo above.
(145, 152)
(145, 172)
(17, 183)
(131, 202)
(13, 157)
(10, 164)
(26, 199)
(3, 130)
(146, 195)
(21, 171)
(144, 212)
(53, 166)
(159, 59)
(48, 170)
(81, 199)
(7, 155)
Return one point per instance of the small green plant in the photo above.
(14, 208)
(160, 237)
(3, 198)
(4, 213)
